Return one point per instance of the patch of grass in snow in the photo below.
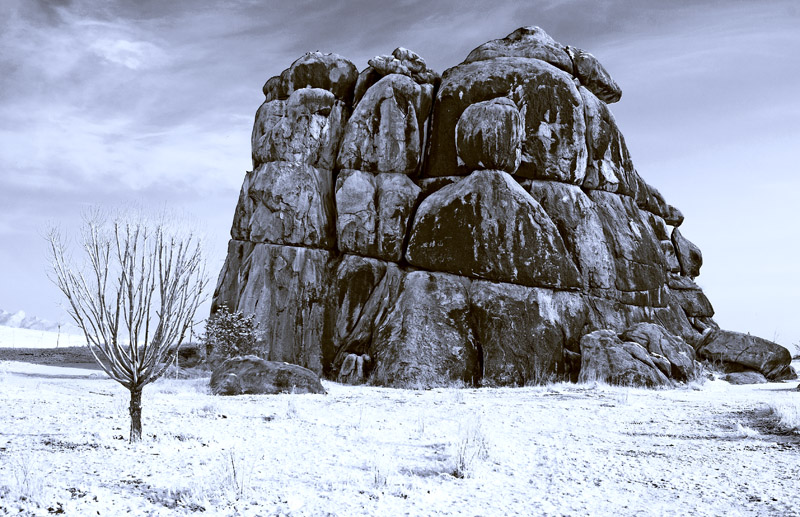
(471, 448)
(236, 473)
(743, 431)
(24, 482)
(787, 414)
(381, 468)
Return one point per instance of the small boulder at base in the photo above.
(606, 358)
(658, 341)
(745, 378)
(251, 375)
(750, 352)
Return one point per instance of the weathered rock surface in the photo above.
(287, 203)
(523, 331)
(384, 134)
(373, 212)
(609, 165)
(307, 128)
(554, 146)
(689, 256)
(594, 76)
(329, 72)
(679, 355)
(606, 358)
(489, 136)
(690, 297)
(528, 42)
(251, 375)
(425, 339)
(640, 263)
(579, 225)
(734, 349)
(286, 288)
(487, 226)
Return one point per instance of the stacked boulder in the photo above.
(486, 226)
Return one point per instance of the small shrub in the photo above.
(787, 415)
(230, 334)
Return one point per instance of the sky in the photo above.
(152, 103)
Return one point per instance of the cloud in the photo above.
(131, 54)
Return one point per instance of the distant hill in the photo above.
(21, 320)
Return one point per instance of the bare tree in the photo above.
(134, 295)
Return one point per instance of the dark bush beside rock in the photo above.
(251, 375)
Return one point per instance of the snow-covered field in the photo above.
(710, 449)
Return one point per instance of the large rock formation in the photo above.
(486, 226)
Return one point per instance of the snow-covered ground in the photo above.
(708, 449)
(13, 337)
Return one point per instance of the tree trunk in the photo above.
(136, 414)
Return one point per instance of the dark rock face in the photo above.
(487, 226)
(251, 375)
(743, 351)
(484, 227)
(425, 339)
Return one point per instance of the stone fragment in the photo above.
(693, 302)
(373, 212)
(405, 62)
(606, 358)
(594, 76)
(425, 339)
(305, 128)
(527, 42)
(655, 338)
(273, 89)
(384, 134)
(251, 375)
(281, 286)
(431, 185)
(689, 255)
(749, 352)
(330, 72)
(353, 368)
(523, 331)
(740, 378)
(487, 226)
(579, 224)
(489, 136)
(287, 203)
(554, 145)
